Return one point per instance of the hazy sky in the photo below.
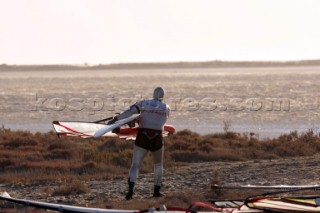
(113, 31)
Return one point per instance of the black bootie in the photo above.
(130, 191)
(156, 191)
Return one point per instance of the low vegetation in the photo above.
(26, 157)
(70, 161)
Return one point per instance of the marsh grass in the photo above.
(27, 157)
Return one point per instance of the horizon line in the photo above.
(87, 64)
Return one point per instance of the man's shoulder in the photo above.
(152, 102)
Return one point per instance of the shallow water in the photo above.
(266, 101)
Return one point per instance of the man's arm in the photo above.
(134, 109)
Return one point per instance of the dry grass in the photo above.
(27, 157)
(73, 187)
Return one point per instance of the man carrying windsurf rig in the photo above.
(153, 116)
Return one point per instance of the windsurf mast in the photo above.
(278, 187)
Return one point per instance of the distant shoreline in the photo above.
(161, 65)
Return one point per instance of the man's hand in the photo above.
(114, 119)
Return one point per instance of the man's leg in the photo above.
(138, 155)
(158, 171)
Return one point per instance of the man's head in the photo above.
(158, 93)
